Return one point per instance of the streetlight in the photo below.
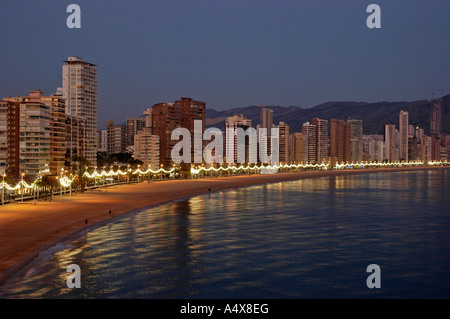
(70, 187)
(23, 174)
(3, 190)
(39, 179)
(60, 181)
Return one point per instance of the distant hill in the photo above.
(374, 115)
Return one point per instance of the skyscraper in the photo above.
(9, 138)
(42, 133)
(391, 142)
(148, 119)
(80, 92)
(75, 139)
(116, 138)
(34, 130)
(146, 148)
(321, 132)
(102, 141)
(168, 116)
(309, 133)
(298, 148)
(339, 142)
(232, 123)
(356, 140)
(283, 143)
(134, 125)
(265, 122)
(436, 117)
(403, 135)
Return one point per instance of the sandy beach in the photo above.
(27, 229)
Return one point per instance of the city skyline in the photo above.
(243, 149)
(243, 62)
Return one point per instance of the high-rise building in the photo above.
(232, 124)
(435, 148)
(168, 116)
(356, 140)
(266, 122)
(309, 134)
(374, 148)
(34, 132)
(148, 119)
(191, 111)
(391, 142)
(35, 127)
(298, 148)
(116, 138)
(75, 139)
(321, 132)
(134, 125)
(339, 142)
(57, 127)
(80, 91)
(436, 117)
(419, 133)
(146, 148)
(283, 131)
(9, 138)
(102, 144)
(403, 135)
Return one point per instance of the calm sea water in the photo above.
(311, 238)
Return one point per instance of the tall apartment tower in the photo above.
(266, 122)
(134, 125)
(356, 140)
(116, 138)
(403, 135)
(168, 116)
(192, 110)
(309, 133)
(34, 129)
(436, 117)
(339, 142)
(283, 143)
(266, 119)
(80, 92)
(57, 127)
(75, 139)
(146, 148)
(390, 142)
(9, 138)
(102, 140)
(232, 123)
(148, 119)
(42, 130)
(298, 148)
(321, 131)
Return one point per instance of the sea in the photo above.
(312, 238)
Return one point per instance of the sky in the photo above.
(229, 53)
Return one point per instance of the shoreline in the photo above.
(26, 229)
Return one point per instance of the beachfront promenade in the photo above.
(26, 229)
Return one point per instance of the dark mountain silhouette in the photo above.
(374, 115)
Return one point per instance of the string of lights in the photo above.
(66, 181)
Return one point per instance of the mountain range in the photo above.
(374, 115)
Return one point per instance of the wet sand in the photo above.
(27, 229)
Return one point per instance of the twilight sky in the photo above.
(229, 53)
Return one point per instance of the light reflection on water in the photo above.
(311, 238)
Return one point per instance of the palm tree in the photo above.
(80, 181)
(80, 162)
(46, 184)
